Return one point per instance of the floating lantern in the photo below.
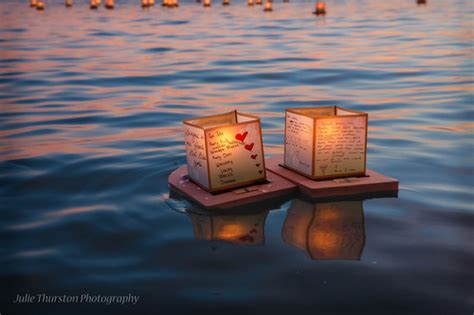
(246, 229)
(165, 3)
(145, 3)
(174, 3)
(94, 4)
(258, 2)
(33, 3)
(226, 2)
(250, 2)
(224, 151)
(207, 3)
(320, 8)
(151, 3)
(40, 5)
(420, 2)
(109, 4)
(333, 230)
(325, 142)
(268, 6)
(68, 3)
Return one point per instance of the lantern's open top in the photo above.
(325, 111)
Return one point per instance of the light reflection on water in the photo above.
(90, 127)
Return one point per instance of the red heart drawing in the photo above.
(249, 146)
(257, 165)
(241, 136)
(254, 156)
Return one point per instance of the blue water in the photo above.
(90, 128)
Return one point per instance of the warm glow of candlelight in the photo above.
(151, 3)
(259, 2)
(268, 6)
(33, 3)
(207, 3)
(94, 4)
(226, 2)
(109, 4)
(68, 3)
(145, 3)
(250, 2)
(40, 5)
(320, 8)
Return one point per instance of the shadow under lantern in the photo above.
(331, 230)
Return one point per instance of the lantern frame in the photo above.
(300, 111)
(210, 187)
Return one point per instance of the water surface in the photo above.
(90, 128)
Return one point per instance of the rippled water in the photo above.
(90, 127)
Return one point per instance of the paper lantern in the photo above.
(320, 8)
(207, 3)
(94, 4)
(226, 2)
(109, 4)
(325, 142)
(33, 3)
(145, 3)
(68, 3)
(268, 6)
(246, 229)
(151, 3)
(333, 230)
(40, 5)
(258, 2)
(250, 2)
(224, 151)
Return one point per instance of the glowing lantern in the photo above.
(33, 3)
(320, 8)
(325, 142)
(224, 151)
(419, 2)
(94, 4)
(258, 2)
(145, 3)
(68, 3)
(333, 230)
(165, 3)
(268, 6)
(246, 229)
(151, 3)
(173, 3)
(109, 4)
(226, 2)
(207, 3)
(250, 2)
(40, 5)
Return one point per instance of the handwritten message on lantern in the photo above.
(225, 152)
(325, 142)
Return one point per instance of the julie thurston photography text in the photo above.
(29, 298)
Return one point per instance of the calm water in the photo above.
(90, 127)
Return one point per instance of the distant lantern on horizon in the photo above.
(151, 3)
(226, 2)
(320, 8)
(33, 3)
(258, 2)
(268, 6)
(164, 3)
(40, 5)
(145, 3)
(250, 2)
(94, 4)
(109, 4)
(207, 3)
(420, 2)
(68, 3)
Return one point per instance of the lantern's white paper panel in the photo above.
(224, 151)
(325, 142)
(332, 230)
(235, 154)
(299, 142)
(196, 154)
(340, 145)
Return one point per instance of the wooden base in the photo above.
(372, 183)
(275, 188)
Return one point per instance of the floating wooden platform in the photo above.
(372, 183)
(276, 188)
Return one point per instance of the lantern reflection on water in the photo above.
(332, 230)
(245, 229)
